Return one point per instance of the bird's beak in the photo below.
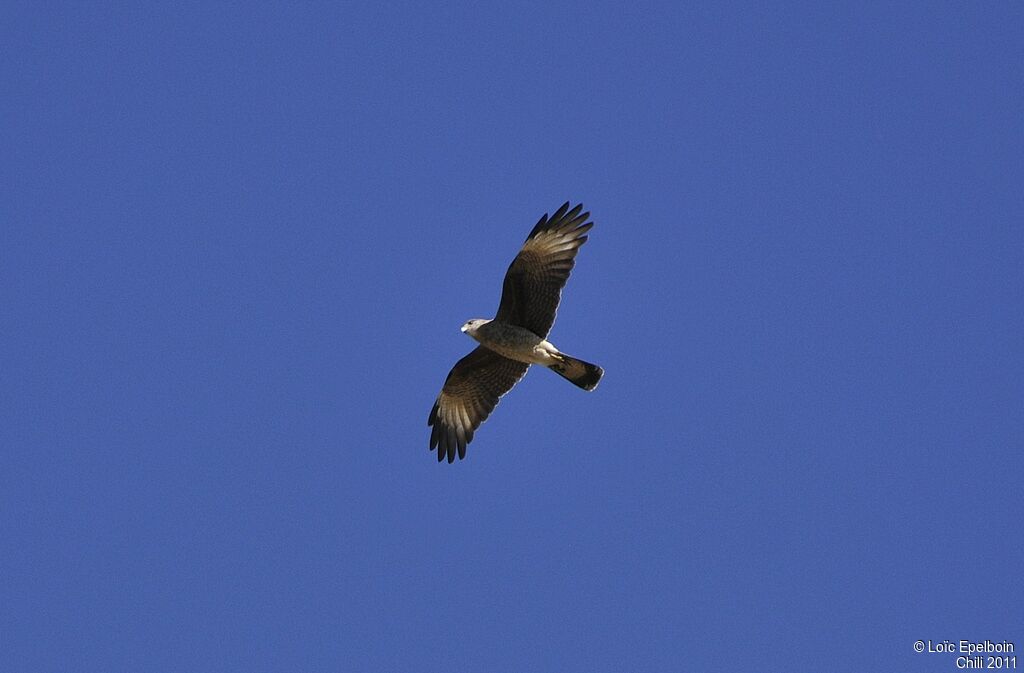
(462, 329)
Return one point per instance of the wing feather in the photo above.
(469, 395)
(534, 281)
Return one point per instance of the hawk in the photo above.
(516, 337)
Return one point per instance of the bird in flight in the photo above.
(516, 337)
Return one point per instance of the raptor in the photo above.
(517, 335)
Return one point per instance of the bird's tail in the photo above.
(583, 374)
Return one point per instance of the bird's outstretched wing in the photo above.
(534, 280)
(468, 397)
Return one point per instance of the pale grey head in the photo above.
(472, 325)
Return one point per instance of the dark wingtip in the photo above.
(539, 227)
(571, 215)
(562, 214)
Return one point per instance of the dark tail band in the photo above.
(583, 374)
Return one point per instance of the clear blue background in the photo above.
(236, 246)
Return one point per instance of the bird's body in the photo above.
(516, 337)
(511, 341)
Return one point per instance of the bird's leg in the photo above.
(546, 351)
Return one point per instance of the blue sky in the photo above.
(237, 245)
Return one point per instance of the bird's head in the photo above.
(471, 326)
